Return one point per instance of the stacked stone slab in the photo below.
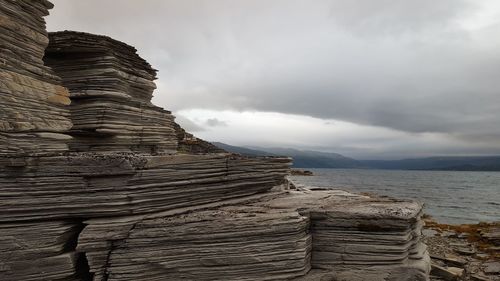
(278, 236)
(86, 185)
(32, 116)
(39, 251)
(362, 238)
(227, 243)
(111, 89)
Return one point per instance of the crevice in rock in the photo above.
(114, 245)
(107, 264)
(82, 269)
(72, 239)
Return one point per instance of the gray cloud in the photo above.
(214, 122)
(413, 66)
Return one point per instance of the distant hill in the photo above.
(317, 159)
(301, 158)
(473, 163)
(242, 150)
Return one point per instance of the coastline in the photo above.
(464, 251)
(450, 197)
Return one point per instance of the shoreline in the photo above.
(449, 198)
(463, 251)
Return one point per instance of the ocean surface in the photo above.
(450, 197)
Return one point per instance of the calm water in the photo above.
(450, 197)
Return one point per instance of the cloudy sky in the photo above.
(372, 79)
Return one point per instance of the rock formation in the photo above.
(86, 185)
(279, 235)
(122, 202)
(111, 89)
(32, 100)
(187, 143)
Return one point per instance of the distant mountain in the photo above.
(242, 150)
(301, 158)
(317, 159)
(476, 163)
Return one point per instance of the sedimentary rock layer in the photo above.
(111, 89)
(278, 237)
(228, 243)
(358, 237)
(39, 251)
(32, 101)
(272, 236)
(110, 185)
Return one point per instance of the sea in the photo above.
(451, 197)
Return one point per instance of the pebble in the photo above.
(465, 251)
(492, 267)
(447, 273)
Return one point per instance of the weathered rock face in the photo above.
(111, 89)
(364, 238)
(43, 201)
(32, 101)
(121, 204)
(274, 236)
(226, 243)
(86, 185)
(42, 250)
(187, 143)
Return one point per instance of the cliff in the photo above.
(111, 89)
(93, 185)
(34, 113)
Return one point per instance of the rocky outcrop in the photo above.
(123, 202)
(223, 243)
(188, 143)
(279, 235)
(42, 250)
(84, 186)
(32, 101)
(111, 89)
(43, 201)
(357, 237)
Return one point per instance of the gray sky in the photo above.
(365, 78)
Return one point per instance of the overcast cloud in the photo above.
(372, 79)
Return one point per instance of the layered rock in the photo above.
(111, 185)
(363, 238)
(111, 89)
(44, 199)
(277, 236)
(40, 251)
(32, 101)
(123, 205)
(226, 243)
(188, 143)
